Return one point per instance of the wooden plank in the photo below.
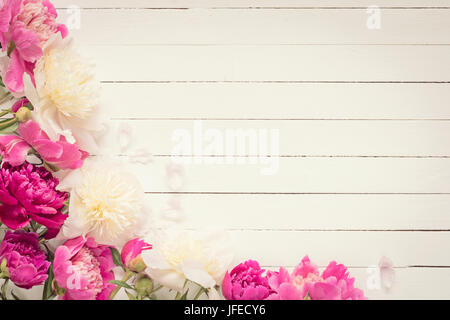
(300, 175)
(273, 248)
(259, 27)
(263, 63)
(278, 100)
(312, 138)
(246, 3)
(305, 212)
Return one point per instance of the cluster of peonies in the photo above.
(68, 218)
(248, 281)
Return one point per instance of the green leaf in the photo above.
(121, 284)
(130, 296)
(184, 296)
(116, 257)
(48, 293)
(4, 286)
(14, 296)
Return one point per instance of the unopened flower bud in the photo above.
(144, 285)
(23, 114)
(4, 273)
(137, 264)
(131, 255)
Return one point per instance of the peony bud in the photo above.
(4, 273)
(144, 285)
(23, 114)
(131, 255)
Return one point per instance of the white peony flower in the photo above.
(105, 203)
(202, 257)
(66, 96)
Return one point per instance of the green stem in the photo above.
(4, 286)
(7, 123)
(125, 278)
(4, 112)
(160, 287)
(199, 293)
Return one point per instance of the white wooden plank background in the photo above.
(363, 115)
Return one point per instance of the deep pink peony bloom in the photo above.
(28, 24)
(62, 154)
(28, 193)
(246, 282)
(131, 254)
(333, 284)
(83, 268)
(26, 262)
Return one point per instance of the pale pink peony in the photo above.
(62, 154)
(246, 282)
(83, 268)
(26, 263)
(306, 281)
(40, 16)
(25, 26)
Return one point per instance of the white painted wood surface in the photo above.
(363, 115)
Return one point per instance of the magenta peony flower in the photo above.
(245, 282)
(305, 280)
(62, 154)
(25, 26)
(83, 268)
(28, 193)
(131, 254)
(26, 262)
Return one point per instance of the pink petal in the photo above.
(324, 291)
(48, 149)
(14, 74)
(63, 30)
(30, 131)
(14, 217)
(14, 149)
(288, 291)
(27, 42)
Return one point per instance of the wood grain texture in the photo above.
(343, 101)
(318, 212)
(271, 63)
(302, 175)
(247, 3)
(260, 27)
(323, 138)
(363, 118)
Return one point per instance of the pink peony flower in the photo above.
(28, 193)
(305, 280)
(62, 154)
(26, 262)
(131, 254)
(83, 268)
(245, 282)
(25, 26)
